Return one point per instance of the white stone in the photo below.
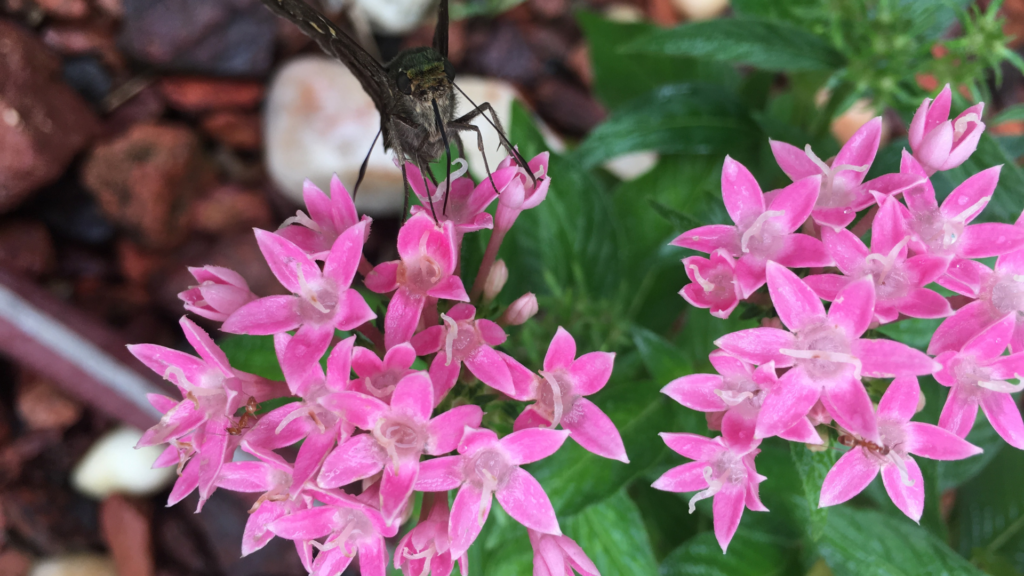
(395, 16)
(113, 466)
(75, 565)
(318, 122)
(633, 165)
(700, 9)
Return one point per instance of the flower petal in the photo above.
(900, 400)
(845, 248)
(686, 478)
(396, 487)
(697, 392)
(850, 475)
(793, 161)
(796, 201)
(264, 316)
(788, 402)
(414, 395)
(803, 251)
(1003, 414)
(888, 358)
(990, 239)
(973, 194)
(591, 372)
(440, 474)
(359, 409)
(561, 352)
(594, 430)
(758, 345)
(693, 446)
(959, 412)
(469, 512)
(446, 429)
(853, 308)
(936, 443)
(908, 498)
(525, 500)
(357, 458)
(491, 369)
(727, 510)
(402, 317)
(741, 193)
(847, 401)
(797, 305)
(533, 444)
(710, 238)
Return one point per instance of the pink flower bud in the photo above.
(942, 144)
(524, 308)
(220, 292)
(496, 279)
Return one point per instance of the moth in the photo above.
(415, 94)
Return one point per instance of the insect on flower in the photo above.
(247, 419)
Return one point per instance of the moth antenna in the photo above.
(448, 156)
(362, 167)
(504, 141)
(405, 188)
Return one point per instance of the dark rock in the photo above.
(237, 130)
(145, 107)
(198, 94)
(88, 77)
(49, 517)
(91, 37)
(221, 37)
(567, 107)
(71, 213)
(42, 406)
(26, 248)
(503, 52)
(231, 209)
(43, 123)
(67, 9)
(14, 563)
(145, 179)
(126, 529)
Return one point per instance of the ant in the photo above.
(852, 441)
(243, 422)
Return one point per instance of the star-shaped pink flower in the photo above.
(841, 195)
(826, 352)
(977, 374)
(559, 397)
(942, 144)
(220, 292)
(898, 438)
(559, 556)
(426, 268)
(378, 378)
(425, 549)
(899, 281)
(461, 339)
(327, 219)
(722, 469)
(760, 235)
(322, 301)
(467, 202)
(713, 283)
(487, 466)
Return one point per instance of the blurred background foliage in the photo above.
(596, 253)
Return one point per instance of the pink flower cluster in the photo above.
(374, 430)
(805, 368)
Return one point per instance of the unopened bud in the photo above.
(524, 308)
(823, 434)
(496, 279)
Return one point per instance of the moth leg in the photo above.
(479, 110)
(430, 197)
(362, 167)
(464, 127)
(396, 146)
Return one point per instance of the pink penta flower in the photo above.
(713, 283)
(486, 466)
(523, 191)
(309, 420)
(898, 438)
(841, 195)
(466, 202)
(559, 397)
(378, 378)
(826, 352)
(399, 435)
(461, 339)
(899, 281)
(760, 234)
(220, 292)
(559, 556)
(721, 469)
(426, 268)
(425, 549)
(350, 525)
(213, 392)
(945, 231)
(978, 374)
(940, 143)
(322, 301)
(738, 390)
(328, 218)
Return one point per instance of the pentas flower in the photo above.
(428, 258)
(899, 281)
(220, 292)
(738, 390)
(722, 469)
(944, 230)
(350, 525)
(461, 339)
(898, 438)
(322, 301)
(328, 218)
(466, 203)
(713, 283)
(559, 556)
(378, 378)
(486, 466)
(841, 195)
(425, 549)
(826, 352)
(942, 144)
(522, 192)
(213, 391)
(559, 396)
(760, 235)
(978, 374)
(309, 420)
(399, 435)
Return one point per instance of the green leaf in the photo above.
(989, 511)
(253, 354)
(613, 535)
(764, 44)
(812, 467)
(914, 332)
(1015, 112)
(680, 118)
(751, 553)
(861, 542)
(666, 516)
(664, 361)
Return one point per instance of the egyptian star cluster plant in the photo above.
(373, 429)
(805, 371)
